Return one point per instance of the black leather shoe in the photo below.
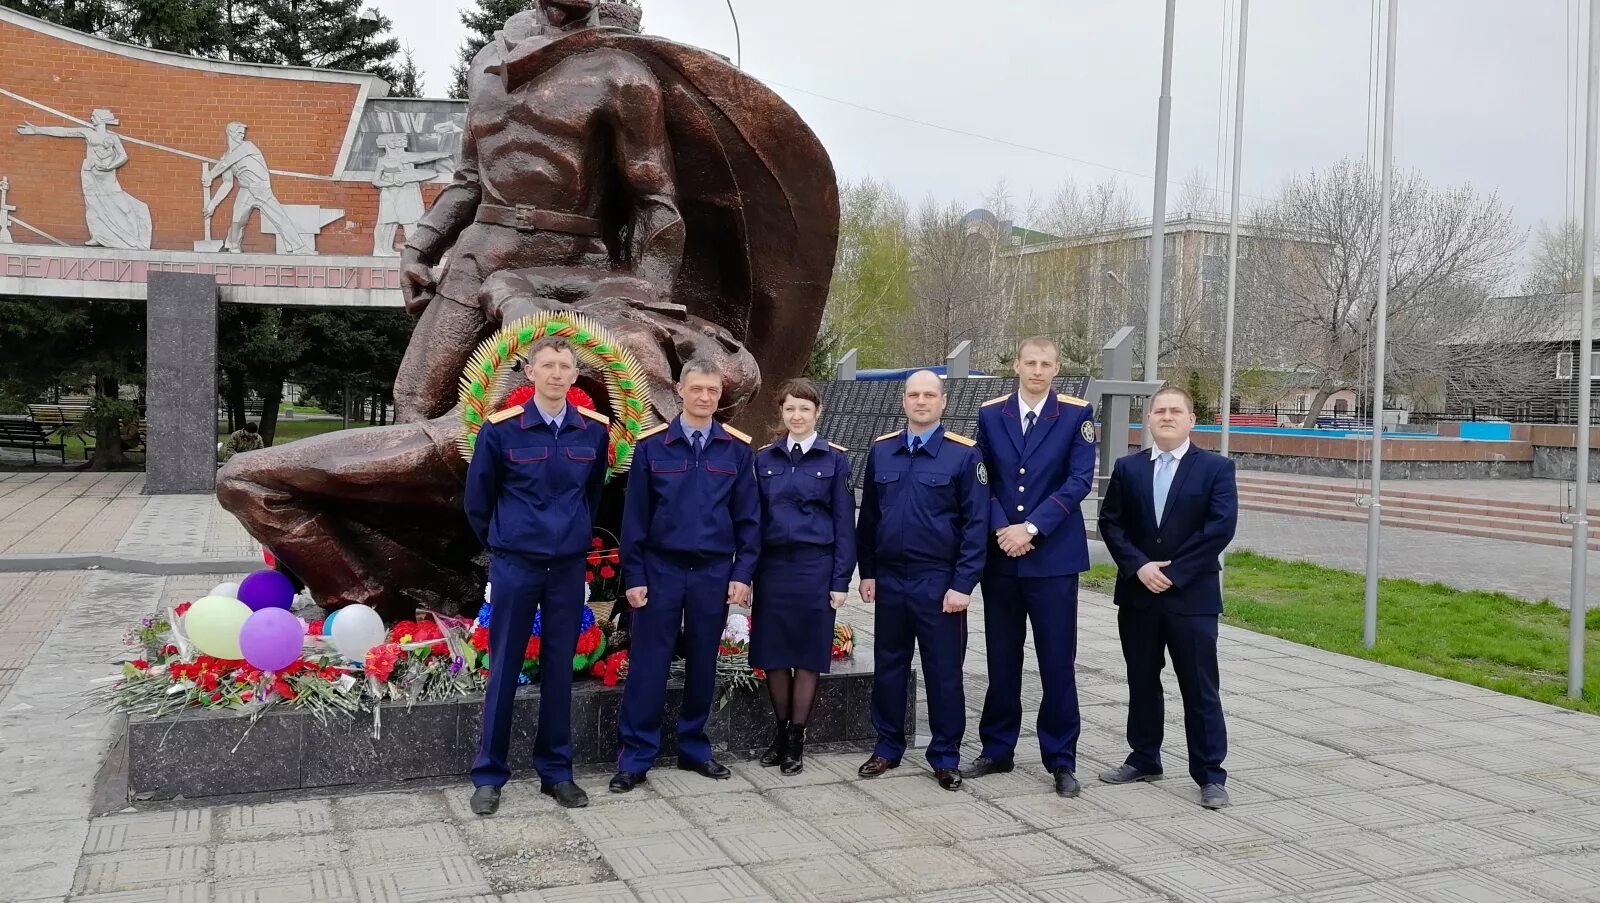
(1214, 796)
(779, 748)
(1127, 774)
(1067, 783)
(983, 765)
(485, 800)
(794, 757)
(877, 766)
(567, 793)
(710, 768)
(624, 781)
(949, 778)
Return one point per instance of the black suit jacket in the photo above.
(1201, 515)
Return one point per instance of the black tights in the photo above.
(793, 692)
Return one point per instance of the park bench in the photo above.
(17, 432)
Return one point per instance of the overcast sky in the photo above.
(1482, 87)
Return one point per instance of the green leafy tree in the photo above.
(482, 21)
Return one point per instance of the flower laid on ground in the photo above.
(844, 641)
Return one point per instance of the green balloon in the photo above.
(213, 625)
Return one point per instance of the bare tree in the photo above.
(962, 284)
(1451, 248)
(1197, 197)
(1555, 263)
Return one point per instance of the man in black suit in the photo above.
(1168, 514)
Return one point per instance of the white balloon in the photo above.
(356, 630)
(225, 590)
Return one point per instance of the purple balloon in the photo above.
(272, 639)
(266, 589)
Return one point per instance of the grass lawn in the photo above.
(1488, 639)
(290, 430)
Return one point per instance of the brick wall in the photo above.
(299, 124)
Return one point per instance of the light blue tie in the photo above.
(1163, 483)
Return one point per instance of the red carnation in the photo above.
(598, 669)
(282, 688)
(588, 577)
(519, 395)
(270, 559)
(428, 630)
(532, 651)
(183, 608)
(402, 631)
(597, 543)
(315, 628)
(480, 639)
(216, 697)
(169, 649)
(381, 661)
(608, 572)
(614, 557)
(140, 663)
(247, 695)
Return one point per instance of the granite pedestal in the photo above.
(181, 384)
(213, 754)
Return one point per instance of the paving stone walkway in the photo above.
(108, 513)
(1352, 781)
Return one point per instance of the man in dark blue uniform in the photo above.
(920, 542)
(532, 490)
(1168, 514)
(1039, 458)
(691, 533)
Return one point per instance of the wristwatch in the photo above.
(1032, 530)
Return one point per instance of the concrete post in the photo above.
(181, 384)
(958, 364)
(845, 370)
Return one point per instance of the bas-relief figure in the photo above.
(399, 184)
(116, 219)
(672, 199)
(245, 167)
(6, 210)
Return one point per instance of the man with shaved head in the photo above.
(920, 542)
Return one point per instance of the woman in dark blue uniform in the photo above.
(808, 553)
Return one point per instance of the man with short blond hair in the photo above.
(1169, 512)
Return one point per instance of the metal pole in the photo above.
(1580, 521)
(1158, 218)
(1233, 227)
(1369, 633)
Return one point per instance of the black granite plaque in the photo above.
(181, 383)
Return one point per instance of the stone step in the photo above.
(1351, 487)
(1390, 519)
(1526, 521)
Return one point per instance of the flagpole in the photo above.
(1369, 633)
(1578, 601)
(1233, 228)
(1158, 217)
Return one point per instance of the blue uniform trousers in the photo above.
(1051, 605)
(1192, 642)
(687, 593)
(909, 611)
(518, 590)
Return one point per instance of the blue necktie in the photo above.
(1163, 482)
(916, 445)
(1028, 427)
(694, 439)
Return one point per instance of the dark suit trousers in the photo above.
(1148, 635)
(1051, 603)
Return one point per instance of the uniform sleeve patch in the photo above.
(1087, 431)
(507, 414)
(983, 474)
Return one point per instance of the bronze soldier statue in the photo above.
(672, 199)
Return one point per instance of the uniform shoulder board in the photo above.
(658, 428)
(507, 414)
(595, 415)
(957, 437)
(994, 401)
(742, 437)
(887, 436)
(1072, 400)
(837, 447)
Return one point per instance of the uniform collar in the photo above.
(1177, 453)
(678, 431)
(532, 416)
(783, 443)
(931, 440)
(1023, 409)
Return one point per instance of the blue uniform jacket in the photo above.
(1042, 479)
(926, 513)
(531, 494)
(809, 505)
(677, 507)
(1201, 515)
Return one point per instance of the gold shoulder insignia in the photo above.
(595, 415)
(887, 436)
(957, 437)
(658, 428)
(1072, 400)
(742, 437)
(837, 447)
(507, 414)
(994, 401)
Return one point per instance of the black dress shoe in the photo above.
(624, 781)
(1127, 774)
(794, 757)
(983, 765)
(710, 768)
(779, 748)
(485, 800)
(567, 793)
(949, 778)
(1214, 796)
(877, 766)
(1067, 783)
